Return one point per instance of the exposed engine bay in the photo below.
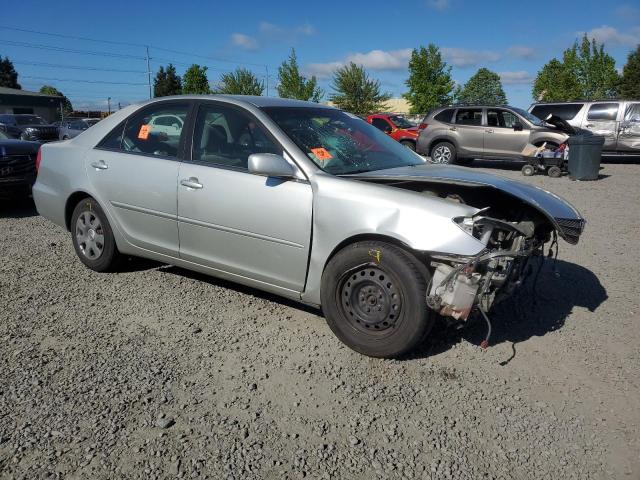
(513, 233)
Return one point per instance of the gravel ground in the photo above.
(157, 372)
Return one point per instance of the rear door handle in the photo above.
(589, 125)
(99, 165)
(453, 129)
(191, 182)
(489, 131)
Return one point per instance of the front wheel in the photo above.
(443, 152)
(374, 299)
(92, 236)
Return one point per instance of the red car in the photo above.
(397, 127)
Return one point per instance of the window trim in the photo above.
(522, 121)
(192, 126)
(180, 157)
(451, 116)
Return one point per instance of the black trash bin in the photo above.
(585, 152)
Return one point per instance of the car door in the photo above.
(601, 120)
(134, 173)
(505, 135)
(469, 131)
(629, 132)
(231, 220)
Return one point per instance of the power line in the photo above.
(73, 37)
(70, 50)
(83, 81)
(77, 67)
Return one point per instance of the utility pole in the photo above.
(149, 74)
(109, 104)
(267, 69)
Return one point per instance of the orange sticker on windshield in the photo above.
(143, 134)
(321, 153)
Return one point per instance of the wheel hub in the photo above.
(90, 235)
(370, 299)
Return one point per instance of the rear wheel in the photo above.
(374, 299)
(409, 144)
(554, 172)
(443, 152)
(92, 236)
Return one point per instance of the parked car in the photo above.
(17, 165)
(397, 127)
(617, 121)
(73, 127)
(460, 134)
(28, 127)
(304, 201)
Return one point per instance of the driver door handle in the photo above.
(489, 130)
(99, 165)
(453, 129)
(191, 182)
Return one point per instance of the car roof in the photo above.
(253, 100)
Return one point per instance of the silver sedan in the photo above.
(305, 201)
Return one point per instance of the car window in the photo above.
(380, 123)
(603, 111)
(444, 116)
(566, 111)
(226, 136)
(79, 125)
(3, 136)
(501, 118)
(469, 116)
(401, 122)
(168, 120)
(632, 114)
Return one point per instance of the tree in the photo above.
(483, 88)
(630, 83)
(67, 108)
(586, 72)
(195, 80)
(556, 83)
(167, 82)
(293, 85)
(430, 83)
(240, 82)
(8, 74)
(355, 92)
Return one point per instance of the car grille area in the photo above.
(44, 134)
(571, 228)
(18, 167)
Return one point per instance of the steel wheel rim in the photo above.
(90, 235)
(442, 154)
(370, 300)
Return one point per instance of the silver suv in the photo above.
(460, 134)
(617, 121)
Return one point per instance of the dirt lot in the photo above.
(157, 372)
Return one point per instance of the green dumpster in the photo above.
(585, 152)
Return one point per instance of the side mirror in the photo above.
(270, 165)
(517, 127)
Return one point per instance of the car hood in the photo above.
(563, 216)
(18, 147)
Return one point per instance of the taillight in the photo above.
(422, 126)
(38, 158)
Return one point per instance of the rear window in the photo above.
(566, 111)
(444, 116)
(603, 111)
(469, 116)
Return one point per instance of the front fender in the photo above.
(345, 208)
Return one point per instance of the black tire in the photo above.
(409, 144)
(97, 250)
(554, 172)
(374, 299)
(444, 152)
(528, 170)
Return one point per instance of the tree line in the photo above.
(584, 72)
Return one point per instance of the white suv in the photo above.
(618, 121)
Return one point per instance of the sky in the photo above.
(512, 38)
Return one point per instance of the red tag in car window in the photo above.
(321, 154)
(143, 134)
